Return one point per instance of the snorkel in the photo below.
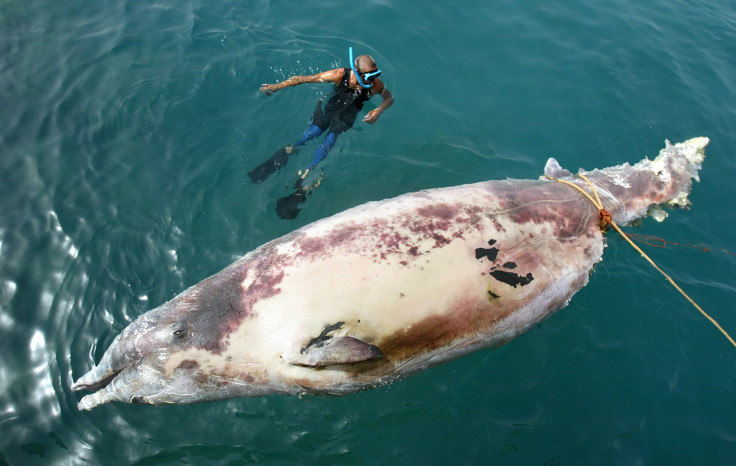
(368, 76)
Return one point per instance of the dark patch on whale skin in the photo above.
(504, 276)
(469, 318)
(567, 212)
(435, 222)
(512, 278)
(443, 213)
(405, 234)
(489, 254)
(218, 305)
(322, 337)
(572, 214)
(642, 186)
(193, 369)
(188, 365)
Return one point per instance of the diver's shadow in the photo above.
(287, 207)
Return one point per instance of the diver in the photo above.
(353, 87)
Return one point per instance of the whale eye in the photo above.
(178, 330)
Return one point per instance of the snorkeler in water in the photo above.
(353, 87)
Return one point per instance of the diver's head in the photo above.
(366, 66)
(365, 69)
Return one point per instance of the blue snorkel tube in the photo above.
(372, 75)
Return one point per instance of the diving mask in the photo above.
(369, 77)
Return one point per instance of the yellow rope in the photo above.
(597, 203)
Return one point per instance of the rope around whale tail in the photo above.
(606, 220)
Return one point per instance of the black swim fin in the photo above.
(277, 161)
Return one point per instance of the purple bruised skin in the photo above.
(383, 290)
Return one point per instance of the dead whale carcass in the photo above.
(383, 290)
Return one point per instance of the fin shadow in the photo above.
(287, 207)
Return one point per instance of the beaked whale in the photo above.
(383, 290)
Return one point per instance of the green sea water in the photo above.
(126, 132)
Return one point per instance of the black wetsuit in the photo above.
(338, 115)
(342, 108)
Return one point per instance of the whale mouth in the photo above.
(105, 384)
(114, 377)
(119, 369)
(135, 383)
(82, 384)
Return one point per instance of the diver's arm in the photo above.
(333, 76)
(388, 100)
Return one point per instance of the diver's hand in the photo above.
(303, 173)
(268, 89)
(372, 116)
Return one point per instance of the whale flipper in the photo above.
(337, 350)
